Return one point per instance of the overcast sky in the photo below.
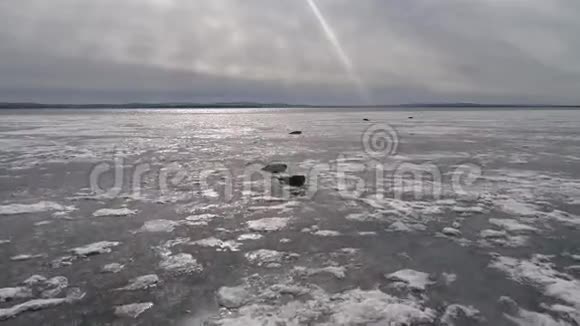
(297, 51)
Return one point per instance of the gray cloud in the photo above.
(423, 50)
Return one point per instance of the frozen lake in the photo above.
(164, 217)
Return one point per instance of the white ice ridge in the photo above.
(114, 212)
(42, 206)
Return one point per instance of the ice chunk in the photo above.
(337, 271)
(25, 257)
(411, 279)
(103, 247)
(133, 310)
(327, 233)
(159, 226)
(39, 304)
(141, 283)
(114, 212)
(217, 243)
(451, 232)
(9, 294)
(233, 297)
(265, 257)
(34, 280)
(512, 206)
(43, 206)
(112, 268)
(512, 225)
(181, 264)
(400, 226)
(54, 287)
(461, 315)
(250, 236)
(200, 219)
(491, 234)
(268, 224)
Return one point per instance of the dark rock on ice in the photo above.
(297, 180)
(275, 168)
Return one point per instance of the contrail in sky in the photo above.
(340, 52)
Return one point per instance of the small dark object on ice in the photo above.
(275, 168)
(297, 132)
(365, 119)
(410, 117)
(297, 180)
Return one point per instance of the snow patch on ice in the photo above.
(268, 224)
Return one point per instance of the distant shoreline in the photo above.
(235, 105)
